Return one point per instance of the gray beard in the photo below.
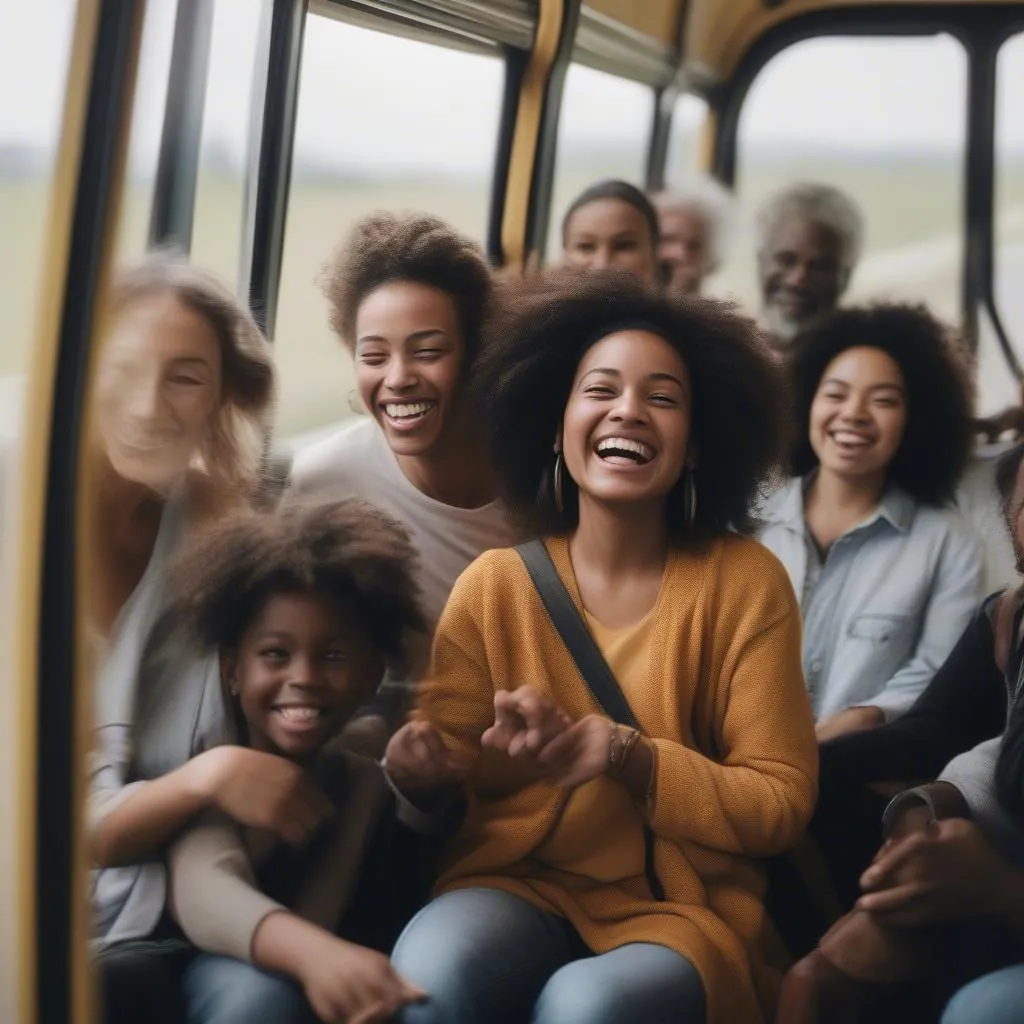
(784, 329)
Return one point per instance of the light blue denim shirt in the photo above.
(885, 607)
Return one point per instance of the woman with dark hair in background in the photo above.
(887, 572)
(607, 871)
(612, 224)
(408, 297)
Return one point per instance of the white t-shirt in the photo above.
(356, 462)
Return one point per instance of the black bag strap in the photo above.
(574, 633)
(589, 660)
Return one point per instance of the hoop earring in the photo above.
(556, 480)
(690, 496)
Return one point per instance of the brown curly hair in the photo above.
(350, 550)
(536, 339)
(386, 247)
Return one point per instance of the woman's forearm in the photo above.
(637, 770)
(146, 820)
(284, 943)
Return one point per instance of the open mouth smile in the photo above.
(624, 451)
(849, 440)
(407, 414)
(299, 717)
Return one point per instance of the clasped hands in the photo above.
(529, 728)
(938, 871)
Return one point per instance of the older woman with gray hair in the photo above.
(809, 241)
(696, 219)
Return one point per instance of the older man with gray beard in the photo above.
(809, 241)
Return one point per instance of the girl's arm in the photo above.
(253, 788)
(214, 897)
(213, 893)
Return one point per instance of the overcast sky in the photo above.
(369, 100)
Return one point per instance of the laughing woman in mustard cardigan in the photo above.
(604, 874)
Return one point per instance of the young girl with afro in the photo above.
(306, 607)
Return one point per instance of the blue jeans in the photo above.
(996, 998)
(222, 990)
(487, 957)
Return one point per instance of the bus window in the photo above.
(368, 138)
(884, 119)
(603, 131)
(1009, 210)
(684, 139)
(35, 41)
(220, 186)
(147, 124)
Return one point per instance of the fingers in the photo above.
(422, 757)
(376, 1013)
(412, 993)
(539, 716)
(533, 718)
(507, 723)
(385, 998)
(890, 861)
(903, 905)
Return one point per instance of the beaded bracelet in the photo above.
(619, 750)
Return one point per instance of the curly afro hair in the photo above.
(386, 247)
(349, 550)
(938, 436)
(536, 339)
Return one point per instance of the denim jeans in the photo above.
(996, 998)
(487, 957)
(222, 990)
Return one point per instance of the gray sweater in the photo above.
(158, 702)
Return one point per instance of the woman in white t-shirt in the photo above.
(408, 296)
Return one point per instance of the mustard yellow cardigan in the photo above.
(735, 763)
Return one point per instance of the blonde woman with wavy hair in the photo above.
(181, 403)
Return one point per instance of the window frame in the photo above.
(981, 32)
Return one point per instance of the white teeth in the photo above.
(625, 444)
(407, 410)
(300, 714)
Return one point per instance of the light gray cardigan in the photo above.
(158, 703)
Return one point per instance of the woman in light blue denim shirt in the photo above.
(887, 572)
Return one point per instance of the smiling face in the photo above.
(627, 423)
(157, 390)
(859, 414)
(684, 249)
(802, 276)
(302, 668)
(610, 233)
(409, 354)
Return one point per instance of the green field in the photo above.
(906, 203)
